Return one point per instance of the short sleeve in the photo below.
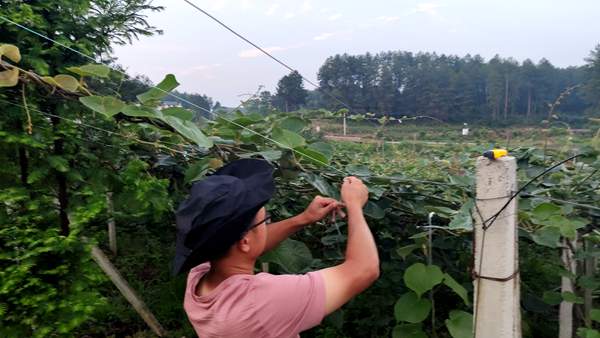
(288, 304)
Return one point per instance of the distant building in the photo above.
(169, 104)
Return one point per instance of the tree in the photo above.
(592, 78)
(290, 92)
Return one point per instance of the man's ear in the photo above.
(244, 244)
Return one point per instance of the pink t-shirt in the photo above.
(261, 305)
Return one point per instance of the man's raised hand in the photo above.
(319, 208)
(354, 192)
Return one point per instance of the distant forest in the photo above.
(451, 88)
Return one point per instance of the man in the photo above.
(222, 230)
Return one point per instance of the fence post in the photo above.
(496, 277)
(112, 231)
(127, 292)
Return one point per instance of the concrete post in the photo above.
(112, 230)
(497, 300)
(344, 126)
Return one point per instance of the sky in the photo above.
(207, 59)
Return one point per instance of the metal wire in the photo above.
(285, 65)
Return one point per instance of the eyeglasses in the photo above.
(267, 220)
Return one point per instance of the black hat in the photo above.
(220, 209)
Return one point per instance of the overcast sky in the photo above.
(207, 59)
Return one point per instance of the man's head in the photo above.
(218, 217)
(253, 241)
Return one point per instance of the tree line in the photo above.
(447, 87)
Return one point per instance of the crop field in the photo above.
(96, 161)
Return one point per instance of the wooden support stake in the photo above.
(127, 292)
(112, 231)
(497, 302)
(565, 320)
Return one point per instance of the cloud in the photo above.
(205, 70)
(334, 16)
(272, 9)
(429, 8)
(323, 36)
(306, 7)
(253, 52)
(289, 15)
(385, 18)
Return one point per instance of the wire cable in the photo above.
(285, 65)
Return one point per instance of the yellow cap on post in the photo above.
(495, 154)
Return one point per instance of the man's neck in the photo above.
(222, 269)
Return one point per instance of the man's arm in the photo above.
(361, 265)
(317, 210)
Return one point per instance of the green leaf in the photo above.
(182, 113)
(457, 288)
(269, 155)
(294, 124)
(321, 184)
(407, 250)
(460, 324)
(358, 170)
(59, 163)
(197, 170)
(421, 278)
(158, 92)
(287, 139)
(92, 69)
(293, 256)
(373, 210)
(588, 333)
(547, 236)
(588, 282)
(312, 156)
(9, 78)
(11, 52)
(106, 105)
(410, 308)
(67, 82)
(595, 315)
(552, 298)
(141, 111)
(463, 220)
(570, 297)
(545, 210)
(408, 331)
(324, 148)
(189, 130)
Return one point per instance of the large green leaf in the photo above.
(312, 156)
(11, 52)
(463, 220)
(407, 250)
(106, 105)
(547, 236)
(287, 139)
(595, 315)
(324, 148)
(294, 124)
(189, 130)
(457, 288)
(410, 308)
(293, 256)
(408, 331)
(588, 333)
(421, 278)
(373, 210)
(545, 210)
(92, 69)
(59, 163)
(197, 170)
(321, 184)
(157, 93)
(141, 111)
(570, 297)
(460, 324)
(182, 113)
(269, 155)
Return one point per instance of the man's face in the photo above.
(258, 234)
